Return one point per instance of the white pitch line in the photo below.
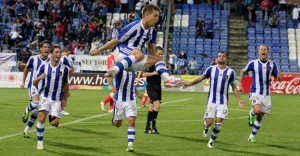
(84, 119)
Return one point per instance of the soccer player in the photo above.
(65, 60)
(125, 103)
(262, 69)
(110, 62)
(130, 41)
(34, 63)
(154, 93)
(54, 76)
(221, 76)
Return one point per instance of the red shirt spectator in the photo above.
(60, 29)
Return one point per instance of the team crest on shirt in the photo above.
(226, 76)
(60, 73)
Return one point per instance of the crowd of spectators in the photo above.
(80, 24)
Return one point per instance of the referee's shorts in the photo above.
(154, 92)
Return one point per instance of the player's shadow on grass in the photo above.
(184, 138)
(65, 153)
(87, 131)
(243, 152)
(73, 147)
(284, 147)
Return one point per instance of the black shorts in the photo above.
(154, 92)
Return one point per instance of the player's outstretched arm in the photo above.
(195, 81)
(108, 45)
(242, 74)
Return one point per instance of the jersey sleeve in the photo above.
(275, 70)
(30, 62)
(66, 62)
(153, 39)
(232, 77)
(207, 72)
(249, 67)
(41, 70)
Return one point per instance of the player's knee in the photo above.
(53, 121)
(218, 126)
(35, 104)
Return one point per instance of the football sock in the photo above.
(125, 63)
(131, 134)
(108, 98)
(255, 128)
(111, 104)
(40, 131)
(155, 113)
(162, 71)
(215, 132)
(145, 97)
(149, 119)
(32, 119)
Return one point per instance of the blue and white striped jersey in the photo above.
(219, 84)
(125, 88)
(261, 75)
(134, 36)
(66, 61)
(53, 84)
(34, 63)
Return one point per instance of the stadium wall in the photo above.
(290, 83)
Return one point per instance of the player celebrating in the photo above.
(110, 62)
(130, 41)
(65, 60)
(55, 83)
(262, 69)
(34, 63)
(125, 104)
(221, 77)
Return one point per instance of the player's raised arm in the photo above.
(37, 80)
(108, 45)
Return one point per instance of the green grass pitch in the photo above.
(88, 131)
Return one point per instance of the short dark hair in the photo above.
(44, 42)
(149, 8)
(54, 47)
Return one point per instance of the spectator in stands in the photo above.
(155, 2)
(136, 16)
(238, 7)
(124, 6)
(131, 5)
(125, 20)
(181, 61)
(200, 24)
(42, 8)
(172, 59)
(266, 7)
(295, 16)
(60, 29)
(282, 5)
(73, 45)
(130, 16)
(210, 28)
(274, 21)
(5, 14)
(80, 49)
(138, 6)
(163, 7)
(7, 41)
(193, 66)
(249, 16)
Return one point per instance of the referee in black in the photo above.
(154, 93)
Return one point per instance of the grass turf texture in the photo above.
(88, 130)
